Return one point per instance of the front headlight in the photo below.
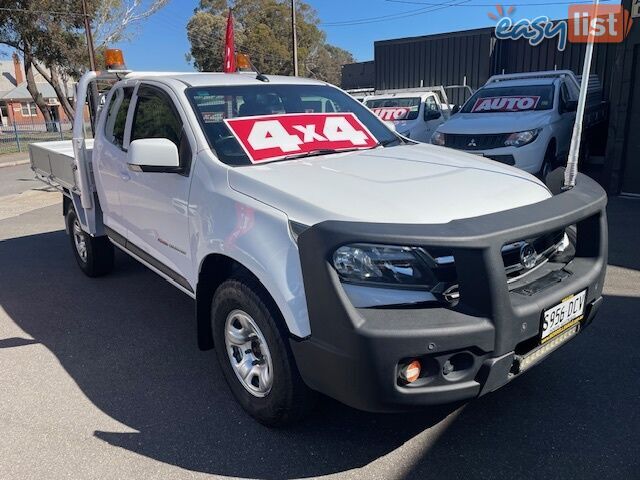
(522, 138)
(383, 265)
(437, 138)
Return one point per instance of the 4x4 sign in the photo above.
(272, 137)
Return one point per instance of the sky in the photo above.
(161, 42)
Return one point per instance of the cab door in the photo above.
(567, 118)
(432, 117)
(110, 157)
(155, 203)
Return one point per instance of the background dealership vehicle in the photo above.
(415, 112)
(324, 252)
(524, 119)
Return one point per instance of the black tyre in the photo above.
(549, 162)
(251, 343)
(93, 254)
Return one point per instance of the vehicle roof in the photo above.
(523, 82)
(200, 79)
(390, 96)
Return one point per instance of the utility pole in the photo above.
(89, 35)
(93, 91)
(294, 37)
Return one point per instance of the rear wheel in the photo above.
(94, 255)
(253, 352)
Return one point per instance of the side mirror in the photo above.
(431, 115)
(153, 155)
(455, 109)
(571, 105)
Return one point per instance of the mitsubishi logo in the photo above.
(528, 256)
(472, 143)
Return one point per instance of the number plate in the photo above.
(563, 316)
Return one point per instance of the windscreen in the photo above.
(395, 109)
(250, 124)
(510, 99)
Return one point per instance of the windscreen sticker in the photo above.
(273, 137)
(505, 104)
(392, 113)
(212, 117)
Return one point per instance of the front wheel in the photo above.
(94, 255)
(251, 344)
(549, 163)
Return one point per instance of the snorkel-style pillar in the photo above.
(571, 172)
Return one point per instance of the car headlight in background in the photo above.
(520, 139)
(437, 138)
(382, 265)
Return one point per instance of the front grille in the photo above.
(475, 142)
(545, 246)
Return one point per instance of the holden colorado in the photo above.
(325, 252)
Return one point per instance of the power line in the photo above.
(381, 17)
(217, 43)
(438, 6)
(555, 3)
(397, 16)
(42, 12)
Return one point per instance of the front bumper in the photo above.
(528, 157)
(353, 355)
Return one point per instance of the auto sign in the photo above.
(392, 113)
(273, 137)
(505, 104)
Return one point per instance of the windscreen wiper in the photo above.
(318, 152)
(328, 151)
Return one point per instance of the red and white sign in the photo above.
(272, 137)
(505, 104)
(392, 113)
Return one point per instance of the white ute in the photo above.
(414, 112)
(324, 252)
(521, 119)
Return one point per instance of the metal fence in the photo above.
(16, 137)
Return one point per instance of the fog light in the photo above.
(411, 372)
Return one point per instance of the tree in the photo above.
(50, 36)
(264, 33)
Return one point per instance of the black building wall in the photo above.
(358, 75)
(446, 59)
(622, 168)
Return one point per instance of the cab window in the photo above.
(117, 116)
(156, 117)
(430, 106)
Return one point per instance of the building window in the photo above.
(29, 109)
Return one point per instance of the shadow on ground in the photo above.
(128, 341)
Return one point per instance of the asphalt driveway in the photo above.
(102, 378)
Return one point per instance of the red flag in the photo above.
(229, 47)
